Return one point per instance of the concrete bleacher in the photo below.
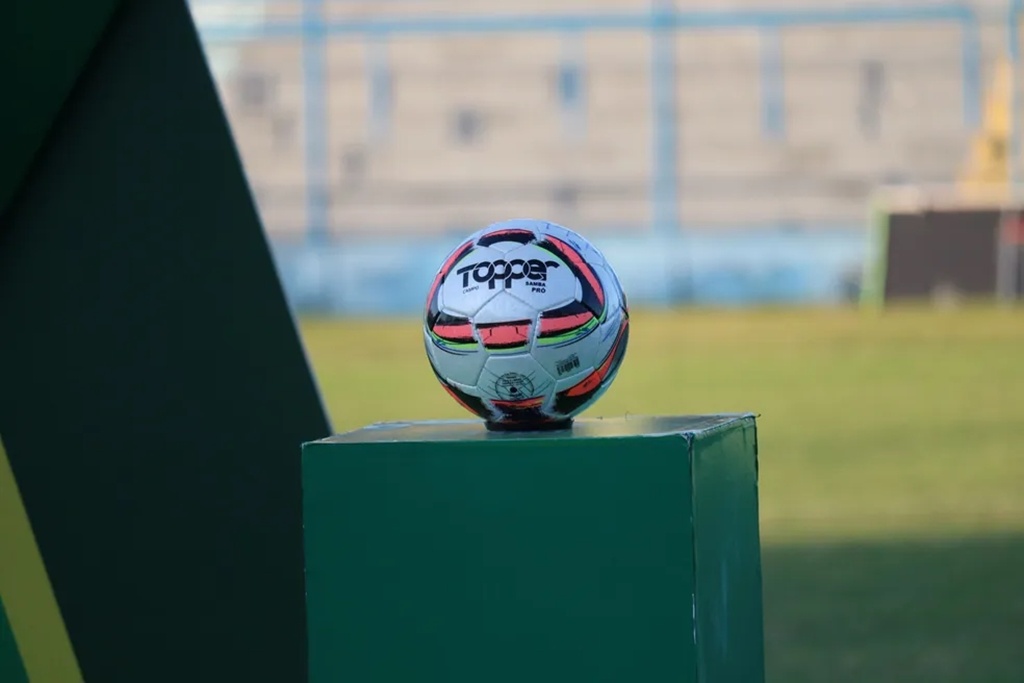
(527, 158)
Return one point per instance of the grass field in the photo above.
(892, 468)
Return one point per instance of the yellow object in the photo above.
(987, 170)
(27, 595)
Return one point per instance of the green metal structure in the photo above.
(154, 388)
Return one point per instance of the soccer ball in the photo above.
(526, 324)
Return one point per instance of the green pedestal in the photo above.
(622, 550)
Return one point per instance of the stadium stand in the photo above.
(462, 127)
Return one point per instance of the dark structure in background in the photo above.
(154, 393)
(948, 252)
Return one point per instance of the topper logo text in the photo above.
(504, 271)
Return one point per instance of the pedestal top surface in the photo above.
(594, 428)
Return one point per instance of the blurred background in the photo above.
(720, 152)
(767, 177)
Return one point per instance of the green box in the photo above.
(620, 550)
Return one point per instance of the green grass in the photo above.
(892, 467)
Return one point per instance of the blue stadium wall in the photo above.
(732, 269)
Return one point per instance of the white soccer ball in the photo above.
(526, 324)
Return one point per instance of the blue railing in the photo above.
(662, 20)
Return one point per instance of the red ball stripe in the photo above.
(570, 254)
